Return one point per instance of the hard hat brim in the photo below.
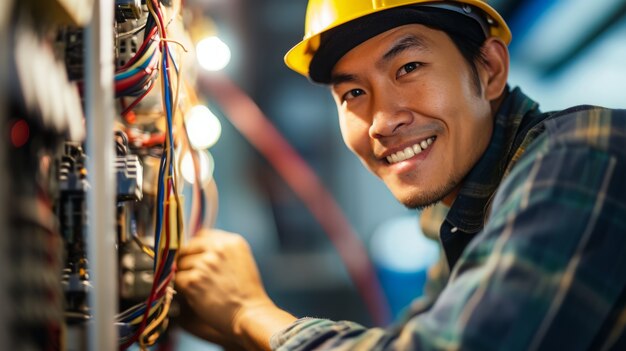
(299, 57)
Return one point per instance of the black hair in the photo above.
(470, 48)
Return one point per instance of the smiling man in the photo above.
(535, 228)
(411, 112)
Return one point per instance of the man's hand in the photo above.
(189, 320)
(219, 278)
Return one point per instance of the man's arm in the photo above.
(547, 272)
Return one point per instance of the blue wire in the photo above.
(168, 107)
(168, 96)
(159, 215)
(138, 312)
(162, 170)
(172, 57)
(168, 265)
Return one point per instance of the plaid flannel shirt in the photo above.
(536, 241)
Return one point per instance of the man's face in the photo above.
(410, 110)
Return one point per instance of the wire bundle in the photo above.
(144, 322)
(137, 76)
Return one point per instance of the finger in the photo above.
(205, 239)
(189, 261)
(195, 246)
(204, 261)
(213, 233)
(209, 238)
(188, 283)
(203, 232)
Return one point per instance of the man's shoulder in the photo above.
(592, 126)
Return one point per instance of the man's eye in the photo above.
(352, 94)
(408, 68)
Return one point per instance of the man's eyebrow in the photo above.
(340, 78)
(409, 41)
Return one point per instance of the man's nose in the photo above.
(389, 114)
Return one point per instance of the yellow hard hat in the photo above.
(323, 15)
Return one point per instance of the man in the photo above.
(535, 231)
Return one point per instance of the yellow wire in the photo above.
(168, 145)
(138, 319)
(147, 250)
(156, 322)
(147, 56)
(156, 18)
(180, 221)
(168, 160)
(168, 142)
(175, 42)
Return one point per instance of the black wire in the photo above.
(150, 23)
(121, 145)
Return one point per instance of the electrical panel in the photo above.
(48, 181)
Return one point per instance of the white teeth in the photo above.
(410, 151)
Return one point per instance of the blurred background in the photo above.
(564, 53)
(329, 238)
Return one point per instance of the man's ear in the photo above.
(494, 68)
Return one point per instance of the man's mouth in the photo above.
(410, 151)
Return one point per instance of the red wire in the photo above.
(141, 48)
(137, 100)
(156, 139)
(157, 11)
(80, 83)
(154, 293)
(159, 271)
(135, 79)
(157, 275)
(127, 83)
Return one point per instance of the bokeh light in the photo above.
(205, 163)
(203, 127)
(212, 53)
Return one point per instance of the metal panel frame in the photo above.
(100, 112)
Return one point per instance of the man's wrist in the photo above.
(255, 324)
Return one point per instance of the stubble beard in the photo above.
(431, 197)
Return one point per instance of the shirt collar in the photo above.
(469, 210)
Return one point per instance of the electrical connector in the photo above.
(129, 173)
(127, 9)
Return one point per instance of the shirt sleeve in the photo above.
(547, 272)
